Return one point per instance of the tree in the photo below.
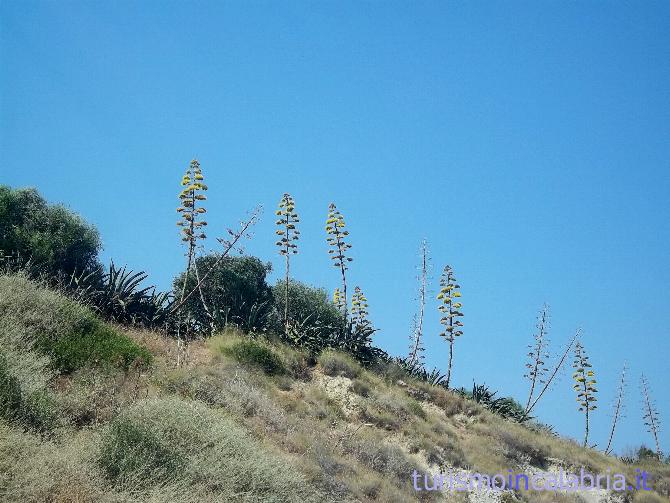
(315, 321)
(538, 355)
(337, 240)
(450, 307)
(288, 235)
(416, 348)
(50, 238)
(650, 415)
(585, 386)
(235, 289)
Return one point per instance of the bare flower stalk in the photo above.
(557, 368)
(618, 408)
(538, 355)
(450, 308)
(416, 340)
(337, 235)
(650, 414)
(228, 245)
(288, 234)
(585, 386)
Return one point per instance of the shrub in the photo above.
(132, 450)
(68, 333)
(360, 388)
(235, 291)
(96, 344)
(56, 241)
(315, 319)
(335, 363)
(30, 409)
(255, 354)
(212, 455)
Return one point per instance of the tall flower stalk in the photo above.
(288, 235)
(416, 348)
(585, 386)
(538, 355)
(450, 308)
(618, 408)
(192, 223)
(337, 240)
(650, 414)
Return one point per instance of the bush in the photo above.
(68, 333)
(30, 409)
(235, 292)
(314, 318)
(132, 450)
(208, 451)
(55, 241)
(255, 354)
(335, 363)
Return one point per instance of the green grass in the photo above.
(36, 318)
(255, 354)
(335, 363)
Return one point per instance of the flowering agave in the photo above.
(191, 198)
(359, 309)
(288, 235)
(585, 385)
(336, 238)
(450, 308)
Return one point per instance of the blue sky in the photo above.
(527, 141)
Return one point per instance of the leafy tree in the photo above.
(585, 386)
(450, 309)
(235, 288)
(315, 320)
(51, 238)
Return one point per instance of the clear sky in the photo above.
(529, 142)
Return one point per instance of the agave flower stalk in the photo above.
(450, 308)
(554, 373)
(192, 223)
(538, 354)
(337, 240)
(650, 414)
(359, 309)
(585, 386)
(287, 234)
(618, 408)
(416, 339)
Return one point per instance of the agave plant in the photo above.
(117, 295)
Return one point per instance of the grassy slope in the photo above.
(276, 427)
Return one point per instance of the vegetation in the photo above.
(416, 348)
(47, 240)
(450, 307)
(236, 289)
(315, 322)
(288, 235)
(337, 240)
(286, 400)
(585, 386)
(650, 415)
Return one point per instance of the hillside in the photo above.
(93, 412)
